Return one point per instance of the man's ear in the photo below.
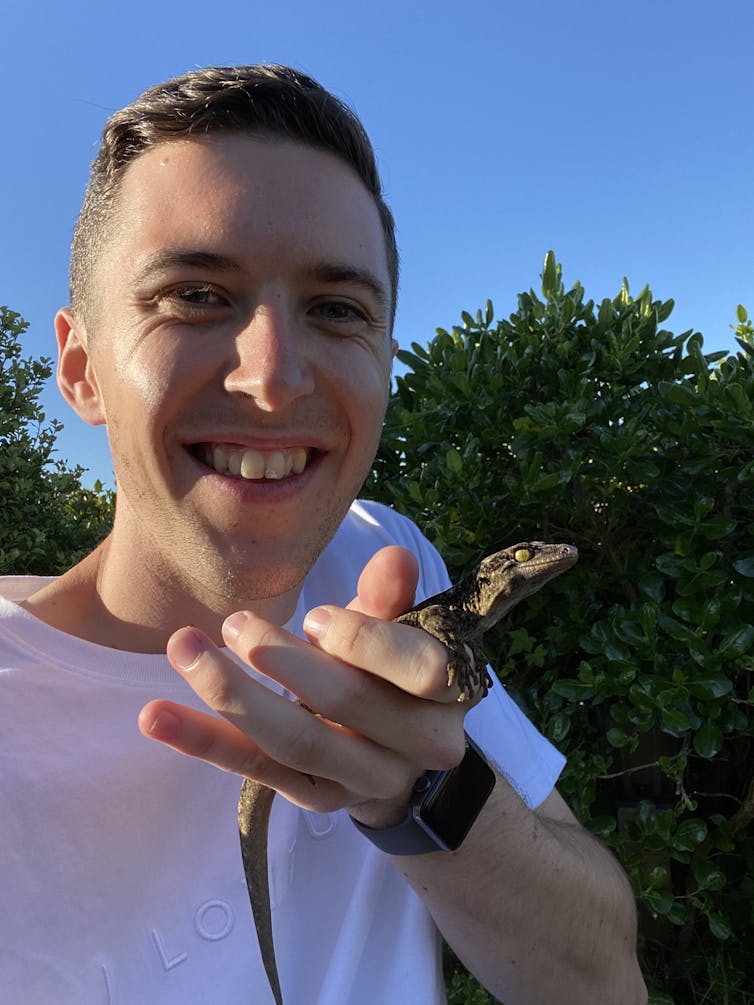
(75, 374)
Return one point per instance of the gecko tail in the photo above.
(254, 808)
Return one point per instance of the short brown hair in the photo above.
(271, 101)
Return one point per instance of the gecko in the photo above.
(457, 617)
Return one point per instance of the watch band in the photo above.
(444, 805)
(406, 838)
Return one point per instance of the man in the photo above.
(233, 284)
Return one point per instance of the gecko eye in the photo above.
(522, 555)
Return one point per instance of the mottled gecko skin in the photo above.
(254, 808)
(459, 617)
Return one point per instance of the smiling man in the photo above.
(233, 285)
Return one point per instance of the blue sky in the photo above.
(618, 134)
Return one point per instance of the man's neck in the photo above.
(105, 600)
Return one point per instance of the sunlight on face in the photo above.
(247, 299)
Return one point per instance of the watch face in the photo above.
(455, 799)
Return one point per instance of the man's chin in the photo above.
(259, 572)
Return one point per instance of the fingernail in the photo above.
(185, 648)
(232, 626)
(316, 622)
(165, 727)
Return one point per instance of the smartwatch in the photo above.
(444, 805)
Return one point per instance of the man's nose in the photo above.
(271, 361)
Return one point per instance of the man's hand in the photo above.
(374, 710)
(384, 714)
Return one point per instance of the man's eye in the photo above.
(195, 295)
(339, 311)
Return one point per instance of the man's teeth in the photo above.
(256, 464)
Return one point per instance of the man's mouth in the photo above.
(253, 465)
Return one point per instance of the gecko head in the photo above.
(511, 575)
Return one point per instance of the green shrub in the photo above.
(48, 520)
(591, 423)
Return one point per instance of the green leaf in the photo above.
(717, 527)
(606, 311)
(414, 491)
(660, 903)
(708, 739)
(680, 632)
(574, 690)
(710, 688)
(618, 738)
(519, 641)
(742, 315)
(550, 276)
(745, 566)
(454, 461)
(652, 586)
(603, 826)
(679, 394)
(670, 565)
(550, 481)
(665, 310)
(708, 876)
(703, 506)
(737, 643)
(559, 727)
(674, 722)
(628, 630)
(690, 834)
(719, 926)
(678, 913)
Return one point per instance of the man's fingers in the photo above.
(199, 734)
(219, 743)
(283, 730)
(378, 689)
(387, 583)
(406, 657)
(386, 589)
(376, 704)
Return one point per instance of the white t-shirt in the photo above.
(121, 871)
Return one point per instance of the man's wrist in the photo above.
(441, 811)
(382, 814)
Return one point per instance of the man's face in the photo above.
(242, 356)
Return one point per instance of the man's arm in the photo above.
(533, 905)
(555, 922)
(536, 908)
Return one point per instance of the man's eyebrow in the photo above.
(328, 272)
(337, 272)
(181, 258)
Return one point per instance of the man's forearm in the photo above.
(535, 907)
